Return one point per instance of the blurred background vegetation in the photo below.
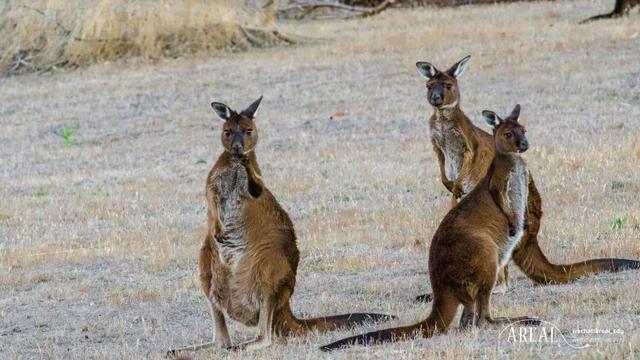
(44, 35)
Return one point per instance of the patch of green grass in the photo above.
(66, 134)
(201, 161)
(41, 191)
(616, 184)
(617, 223)
(342, 197)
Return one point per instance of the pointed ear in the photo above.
(515, 114)
(491, 118)
(251, 110)
(457, 69)
(222, 110)
(426, 69)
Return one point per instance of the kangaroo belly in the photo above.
(237, 296)
(451, 142)
(237, 299)
(517, 195)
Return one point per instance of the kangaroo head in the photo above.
(508, 135)
(239, 134)
(442, 87)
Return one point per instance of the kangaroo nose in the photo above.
(523, 146)
(237, 147)
(436, 99)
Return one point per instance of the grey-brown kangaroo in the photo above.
(465, 152)
(249, 257)
(473, 242)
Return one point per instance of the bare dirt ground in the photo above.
(99, 234)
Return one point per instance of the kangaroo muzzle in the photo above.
(237, 145)
(523, 146)
(436, 98)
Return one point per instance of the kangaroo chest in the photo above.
(231, 292)
(451, 141)
(232, 192)
(517, 197)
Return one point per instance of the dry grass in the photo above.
(72, 33)
(99, 237)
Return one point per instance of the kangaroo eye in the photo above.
(449, 86)
(249, 132)
(508, 135)
(227, 133)
(429, 86)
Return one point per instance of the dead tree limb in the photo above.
(344, 10)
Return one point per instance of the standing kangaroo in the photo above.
(464, 153)
(474, 241)
(249, 258)
(621, 7)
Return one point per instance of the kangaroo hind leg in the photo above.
(265, 328)
(484, 313)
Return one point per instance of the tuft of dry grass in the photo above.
(39, 34)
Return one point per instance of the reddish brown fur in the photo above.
(448, 122)
(466, 252)
(249, 257)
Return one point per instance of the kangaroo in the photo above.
(622, 7)
(474, 241)
(465, 152)
(249, 257)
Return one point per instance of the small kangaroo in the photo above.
(249, 257)
(473, 242)
(465, 152)
(622, 7)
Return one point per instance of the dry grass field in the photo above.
(41, 35)
(102, 169)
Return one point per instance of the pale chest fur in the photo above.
(517, 198)
(451, 141)
(231, 188)
(237, 299)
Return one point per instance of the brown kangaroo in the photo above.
(621, 8)
(474, 241)
(249, 258)
(464, 153)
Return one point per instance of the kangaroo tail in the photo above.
(602, 16)
(621, 8)
(531, 260)
(289, 324)
(442, 314)
(377, 337)
(335, 322)
(538, 268)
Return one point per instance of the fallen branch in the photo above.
(307, 7)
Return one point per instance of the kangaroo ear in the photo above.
(491, 118)
(251, 110)
(457, 69)
(515, 113)
(222, 110)
(426, 69)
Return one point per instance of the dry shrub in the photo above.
(38, 34)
